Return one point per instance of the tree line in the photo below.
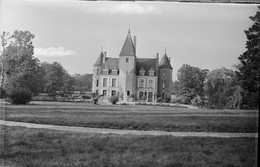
(21, 70)
(224, 88)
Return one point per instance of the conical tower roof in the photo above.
(128, 48)
(99, 60)
(165, 63)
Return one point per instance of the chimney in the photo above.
(135, 43)
(157, 55)
(104, 58)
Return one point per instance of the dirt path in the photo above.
(127, 132)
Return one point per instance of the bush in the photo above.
(114, 99)
(2, 93)
(20, 96)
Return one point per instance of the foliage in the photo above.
(2, 93)
(222, 89)
(250, 65)
(20, 96)
(82, 82)
(22, 70)
(56, 78)
(190, 82)
(198, 101)
(114, 99)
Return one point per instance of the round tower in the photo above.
(165, 78)
(97, 69)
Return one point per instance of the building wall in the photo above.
(109, 88)
(96, 73)
(127, 76)
(147, 87)
(165, 83)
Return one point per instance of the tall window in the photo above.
(127, 60)
(164, 74)
(114, 82)
(141, 83)
(163, 85)
(104, 81)
(151, 83)
(104, 92)
(128, 93)
(97, 82)
(113, 93)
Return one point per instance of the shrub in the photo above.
(20, 96)
(114, 99)
(2, 93)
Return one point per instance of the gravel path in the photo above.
(127, 132)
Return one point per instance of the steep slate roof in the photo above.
(146, 64)
(99, 60)
(165, 63)
(128, 48)
(111, 63)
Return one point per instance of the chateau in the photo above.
(130, 77)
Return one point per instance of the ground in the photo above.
(38, 147)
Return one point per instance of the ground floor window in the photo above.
(113, 93)
(128, 93)
(104, 92)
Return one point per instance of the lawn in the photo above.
(45, 148)
(137, 117)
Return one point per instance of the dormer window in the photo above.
(142, 72)
(105, 71)
(114, 72)
(151, 72)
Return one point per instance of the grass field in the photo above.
(136, 117)
(43, 148)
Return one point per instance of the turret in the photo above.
(97, 69)
(127, 66)
(165, 78)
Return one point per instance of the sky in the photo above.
(71, 32)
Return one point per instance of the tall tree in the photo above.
(222, 89)
(191, 81)
(21, 67)
(250, 60)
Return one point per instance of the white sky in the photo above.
(71, 32)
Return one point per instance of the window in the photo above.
(164, 74)
(113, 93)
(141, 83)
(97, 71)
(142, 71)
(113, 82)
(151, 83)
(128, 93)
(104, 92)
(127, 60)
(97, 82)
(151, 73)
(114, 72)
(104, 81)
(141, 95)
(105, 71)
(163, 85)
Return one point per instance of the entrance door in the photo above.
(150, 96)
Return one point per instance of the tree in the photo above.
(83, 82)
(222, 89)
(21, 67)
(249, 71)
(191, 82)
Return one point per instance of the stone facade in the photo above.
(130, 77)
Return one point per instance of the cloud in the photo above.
(53, 52)
(127, 8)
